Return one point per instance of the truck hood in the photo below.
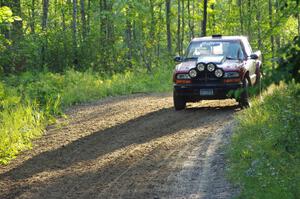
(226, 65)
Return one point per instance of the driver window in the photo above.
(234, 50)
(241, 54)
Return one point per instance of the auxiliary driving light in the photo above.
(193, 73)
(201, 67)
(211, 67)
(219, 73)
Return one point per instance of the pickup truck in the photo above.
(214, 68)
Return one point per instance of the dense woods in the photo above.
(54, 54)
(114, 35)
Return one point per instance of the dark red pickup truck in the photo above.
(215, 66)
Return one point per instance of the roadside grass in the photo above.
(264, 155)
(31, 101)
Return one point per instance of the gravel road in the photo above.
(128, 147)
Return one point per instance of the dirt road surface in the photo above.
(128, 147)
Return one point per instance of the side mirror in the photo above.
(254, 56)
(178, 59)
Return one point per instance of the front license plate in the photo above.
(206, 92)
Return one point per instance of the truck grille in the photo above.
(207, 78)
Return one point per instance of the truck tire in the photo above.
(258, 78)
(179, 102)
(244, 99)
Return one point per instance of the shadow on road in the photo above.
(137, 131)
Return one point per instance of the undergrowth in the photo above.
(31, 101)
(264, 156)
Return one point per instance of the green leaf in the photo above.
(6, 11)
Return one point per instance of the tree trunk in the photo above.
(249, 18)
(151, 36)
(74, 35)
(106, 41)
(190, 22)
(213, 18)
(258, 18)
(32, 21)
(17, 25)
(240, 3)
(152, 24)
(159, 33)
(204, 21)
(178, 48)
(182, 27)
(277, 38)
(44, 29)
(89, 17)
(45, 14)
(54, 5)
(83, 20)
(128, 39)
(298, 14)
(168, 25)
(271, 27)
(64, 28)
(110, 25)
(193, 18)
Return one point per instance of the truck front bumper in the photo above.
(196, 92)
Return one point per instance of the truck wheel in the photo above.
(258, 83)
(244, 99)
(258, 78)
(179, 102)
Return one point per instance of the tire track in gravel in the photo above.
(127, 147)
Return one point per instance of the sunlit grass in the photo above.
(265, 151)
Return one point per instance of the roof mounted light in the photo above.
(217, 36)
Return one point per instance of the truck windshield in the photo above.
(228, 49)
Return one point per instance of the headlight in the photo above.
(201, 67)
(183, 76)
(219, 73)
(211, 67)
(231, 75)
(193, 73)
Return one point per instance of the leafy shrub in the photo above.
(19, 123)
(265, 151)
(289, 66)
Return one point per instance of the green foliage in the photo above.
(19, 123)
(30, 101)
(5, 18)
(289, 66)
(83, 87)
(6, 15)
(114, 36)
(264, 155)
